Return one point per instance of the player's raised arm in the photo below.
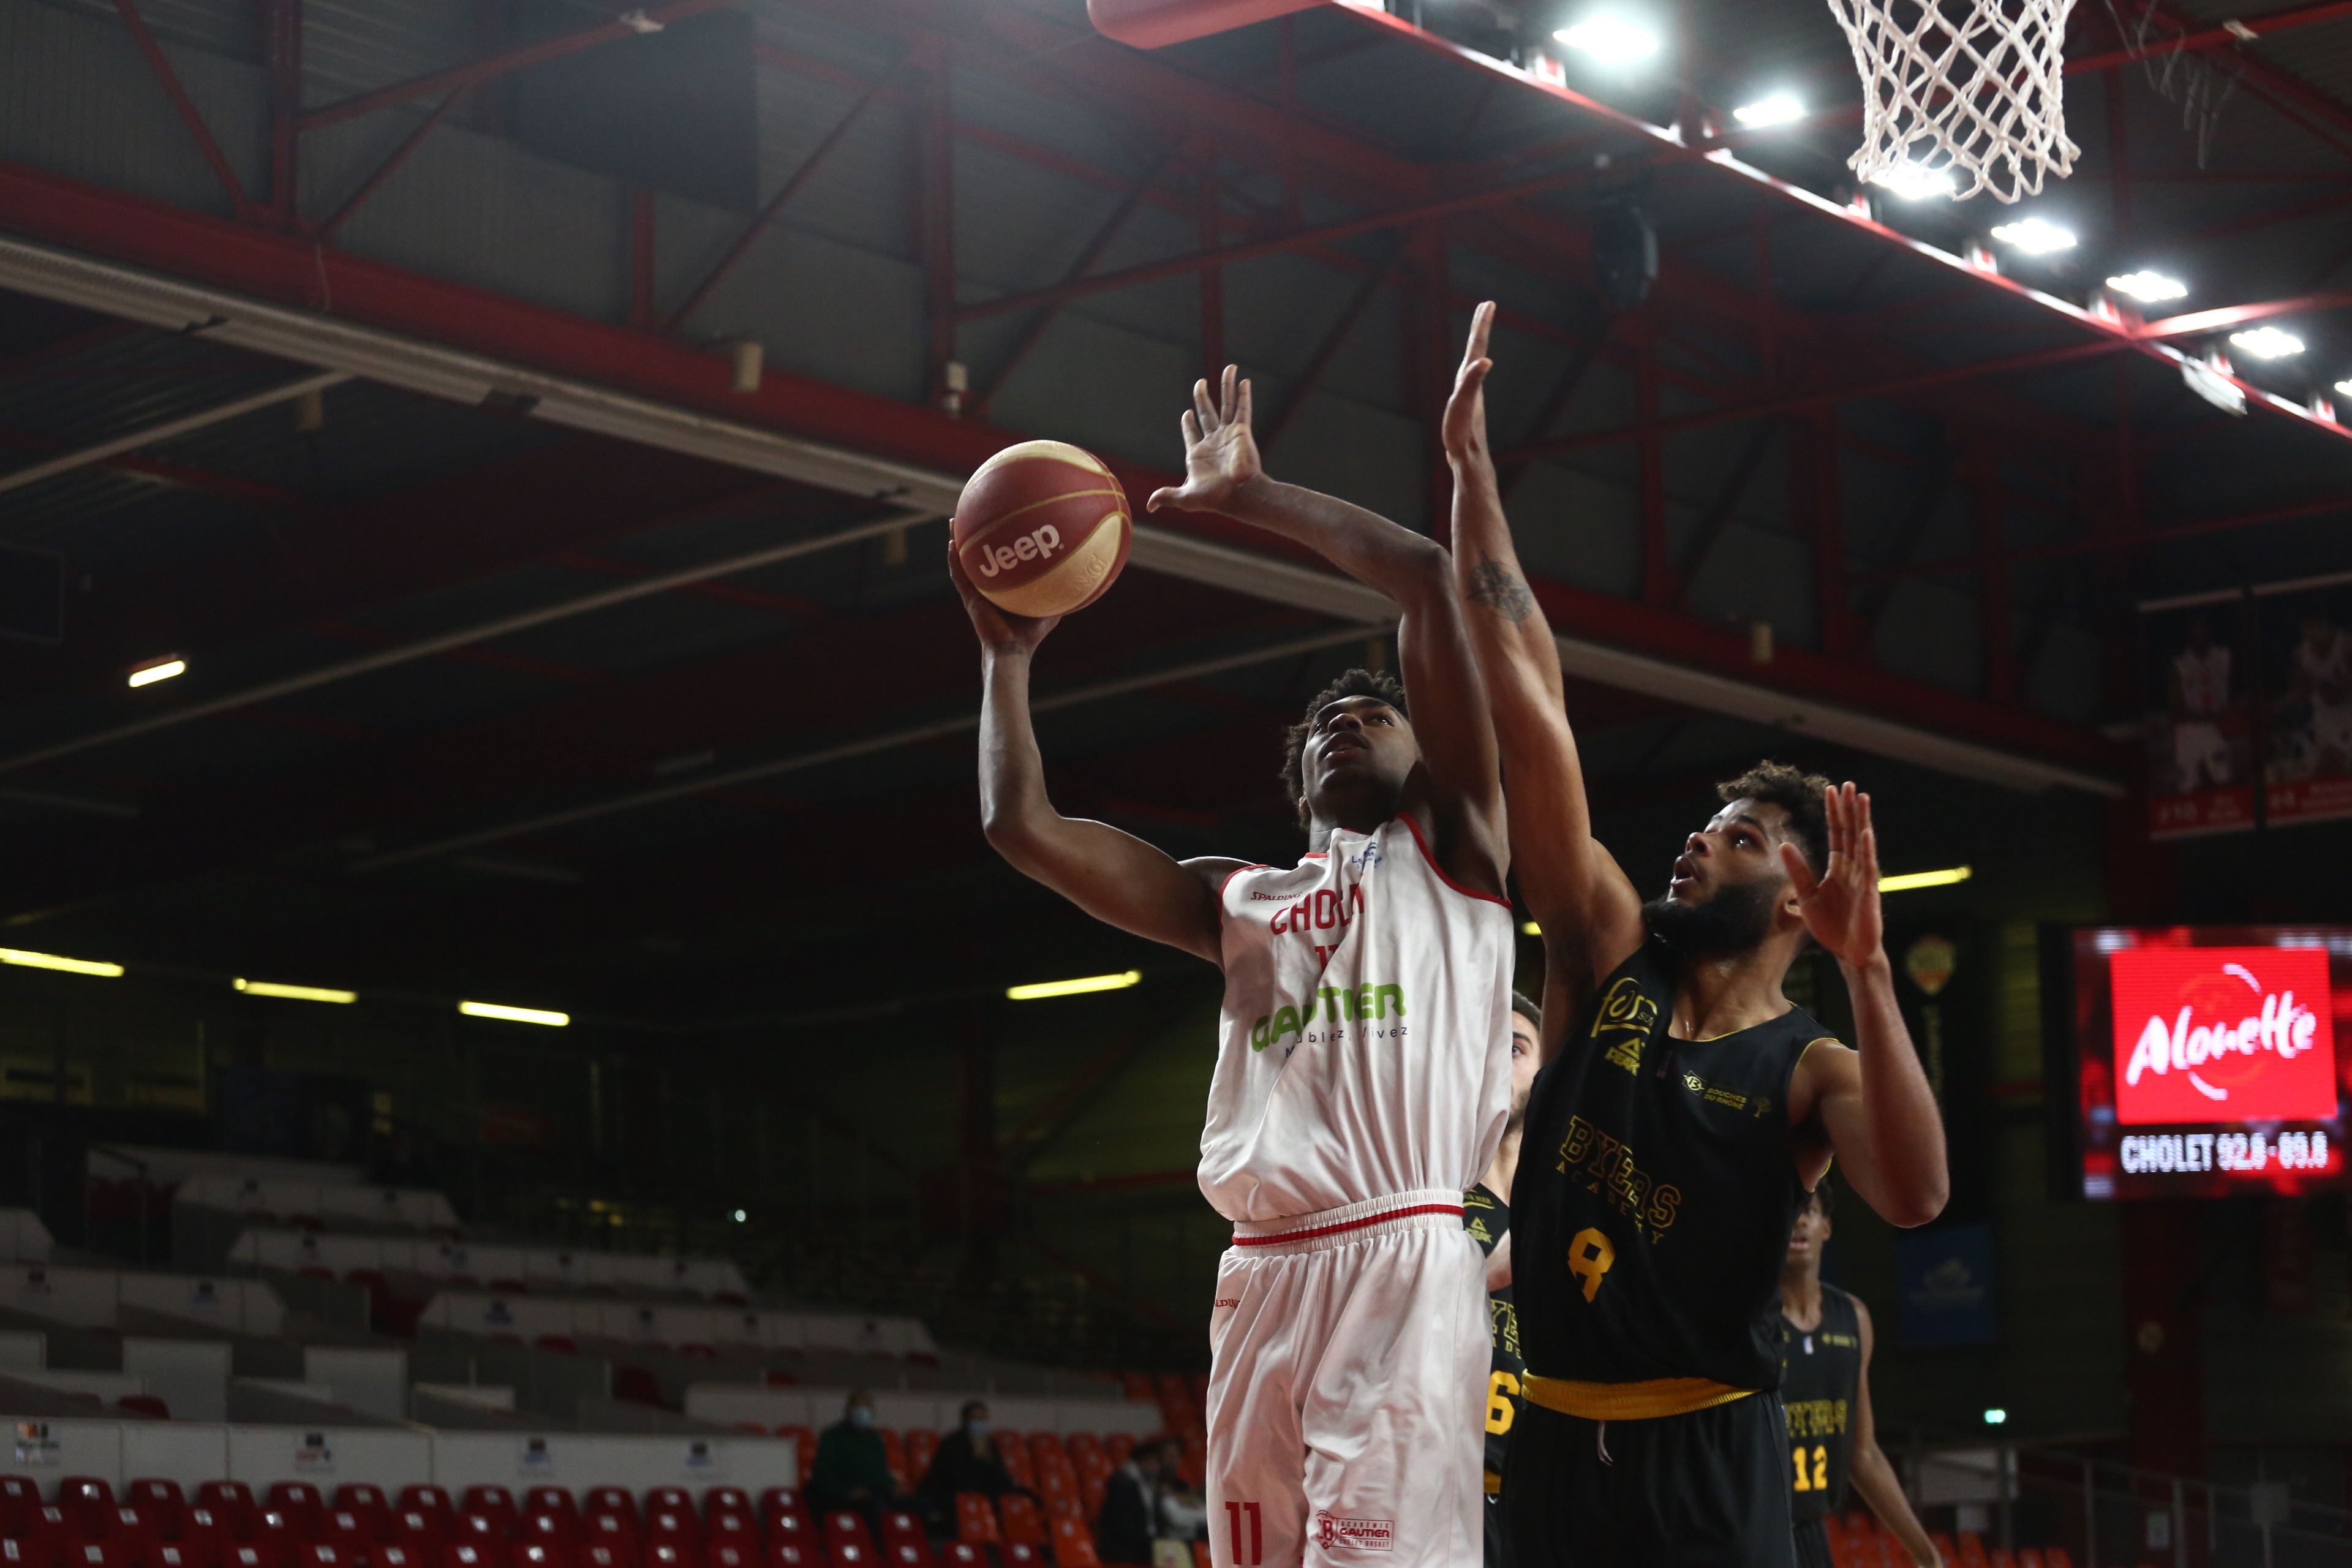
(1873, 1102)
(1222, 474)
(1591, 916)
(1873, 1474)
(1113, 876)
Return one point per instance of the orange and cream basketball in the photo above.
(1042, 529)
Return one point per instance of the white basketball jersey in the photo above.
(2204, 679)
(1366, 1043)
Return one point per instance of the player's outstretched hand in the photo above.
(1465, 411)
(1220, 453)
(1841, 905)
(997, 628)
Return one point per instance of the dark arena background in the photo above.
(502, 983)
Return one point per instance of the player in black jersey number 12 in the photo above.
(1825, 1341)
(1683, 1111)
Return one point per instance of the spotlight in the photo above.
(2151, 287)
(2035, 236)
(148, 674)
(1612, 40)
(51, 960)
(1915, 182)
(1996, 1417)
(2267, 343)
(294, 992)
(1909, 879)
(2344, 387)
(1778, 108)
(740, 1217)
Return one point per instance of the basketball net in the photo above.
(1970, 90)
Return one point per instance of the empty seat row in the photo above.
(232, 1503)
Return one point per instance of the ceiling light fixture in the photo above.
(2035, 236)
(294, 992)
(51, 960)
(1046, 988)
(1778, 108)
(2267, 343)
(514, 1015)
(2152, 287)
(1910, 879)
(148, 674)
(2344, 387)
(1915, 182)
(1612, 40)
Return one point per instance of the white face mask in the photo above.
(978, 1429)
(860, 1417)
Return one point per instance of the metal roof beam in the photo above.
(186, 424)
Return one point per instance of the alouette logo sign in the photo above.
(2223, 1033)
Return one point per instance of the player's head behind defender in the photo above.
(1730, 892)
(1811, 1231)
(1349, 759)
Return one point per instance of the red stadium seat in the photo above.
(2055, 1557)
(792, 1554)
(354, 1530)
(843, 1531)
(2027, 1557)
(495, 1501)
(1023, 1527)
(1072, 1546)
(726, 1499)
(87, 1502)
(677, 1529)
(614, 1500)
(323, 1554)
(672, 1552)
(2002, 1557)
(177, 1555)
(669, 1499)
(962, 1554)
(207, 1533)
(603, 1555)
(976, 1520)
(550, 1500)
(423, 1532)
(299, 1501)
(547, 1530)
(358, 1496)
(258, 1554)
(484, 1530)
(279, 1533)
(731, 1555)
(428, 1499)
(734, 1529)
(542, 1554)
(476, 1554)
(1024, 1554)
(1014, 1453)
(394, 1556)
(792, 1524)
(922, 1447)
(611, 1531)
(97, 1554)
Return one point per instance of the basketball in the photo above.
(1042, 529)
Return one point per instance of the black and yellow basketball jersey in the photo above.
(1655, 1192)
(1487, 1217)
(1821, 1385)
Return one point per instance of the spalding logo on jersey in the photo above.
(1623, 1023)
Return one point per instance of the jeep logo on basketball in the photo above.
(1334, 1535)
(1034, 546)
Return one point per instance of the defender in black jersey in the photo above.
(1487, 1215)
(1683, 1110)
(1825, 1388)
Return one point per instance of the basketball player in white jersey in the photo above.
(1363, 1068)
(2322, 662)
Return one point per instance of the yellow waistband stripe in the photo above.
(1629, 1401)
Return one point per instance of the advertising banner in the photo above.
(2212, 1034)
(2306, 695)
(2199, 717)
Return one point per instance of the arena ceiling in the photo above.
(521, 645)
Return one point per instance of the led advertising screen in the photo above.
(2205, 1058)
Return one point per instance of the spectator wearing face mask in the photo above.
(967, 1461)
(852, 1470)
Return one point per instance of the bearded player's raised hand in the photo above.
(1220, 452)
(1840, 906)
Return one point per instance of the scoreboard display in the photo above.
(2202, 1059)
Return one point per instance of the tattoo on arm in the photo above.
(1502, 590)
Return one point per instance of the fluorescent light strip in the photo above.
(51, 960)
(294, 992)
(1046, 988)
(514, 1015)
(1910, 879)
(148, 675)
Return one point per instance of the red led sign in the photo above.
(2223, 1035)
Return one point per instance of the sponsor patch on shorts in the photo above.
(1334, 1534)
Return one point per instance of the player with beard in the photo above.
(1487, 1215)
(1683, 1111)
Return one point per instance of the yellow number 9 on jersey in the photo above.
(1589, 1257)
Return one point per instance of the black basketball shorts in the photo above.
(1708, 1489)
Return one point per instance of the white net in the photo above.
(1964, 95)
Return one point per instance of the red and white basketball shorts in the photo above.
(1347, 1402)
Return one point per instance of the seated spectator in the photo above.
(967, 1461)
(852, 1470)
(1130, 1510)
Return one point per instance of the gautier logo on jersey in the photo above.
(1334, 1534)
(1340, 1004)
(2223, 1033)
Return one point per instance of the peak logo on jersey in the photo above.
(1339, 1004)
(1624, 1022)
(1333, 1533)
(2223, 1033)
